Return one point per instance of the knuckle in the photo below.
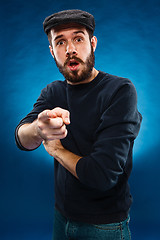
(49, 138)
(57, 109)
(64, 130)
(59, 122)
(39, 116)
(40, 125)
(64, 134)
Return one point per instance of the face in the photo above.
(73, 52)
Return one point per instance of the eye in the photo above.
(60, 43)
(79, 39)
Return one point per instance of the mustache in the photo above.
(73, 58)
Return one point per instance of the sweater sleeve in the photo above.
(119, 125)
(41, 104)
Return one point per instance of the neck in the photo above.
(93, 75)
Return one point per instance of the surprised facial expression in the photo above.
(73, 52)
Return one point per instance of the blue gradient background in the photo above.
(128, 35)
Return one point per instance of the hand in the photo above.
(52, 147)
(66, 158)
(51, 124)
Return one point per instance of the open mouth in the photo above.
(73, 65)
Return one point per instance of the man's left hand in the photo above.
(53, 146)
(66, 158)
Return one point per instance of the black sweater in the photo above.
(104, 123)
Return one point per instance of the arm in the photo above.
(118, 127)
(111, 155)
(66, 158)
(28, 136)
(50, 125)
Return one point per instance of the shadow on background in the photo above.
(128, 45)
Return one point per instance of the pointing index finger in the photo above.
(44, 116)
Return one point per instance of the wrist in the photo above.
(37, 133)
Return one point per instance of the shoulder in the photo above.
(111, 84)
(113, 80)
(53, 87)
(112, 88)
(58, 84)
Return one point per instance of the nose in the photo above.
(70, 49)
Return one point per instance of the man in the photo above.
(88, 123)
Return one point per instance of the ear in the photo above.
(94, 42)
(51, 51)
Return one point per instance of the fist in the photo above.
(51, 124)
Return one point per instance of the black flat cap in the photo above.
(69, 16)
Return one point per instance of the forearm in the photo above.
(49, 125)
(28, 136)
(66, 158)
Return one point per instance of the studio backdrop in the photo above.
(128, 35)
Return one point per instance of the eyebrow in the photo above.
(80, 31)
(60, 36)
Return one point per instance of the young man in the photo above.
(88, 123)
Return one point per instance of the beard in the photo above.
(73, 76)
